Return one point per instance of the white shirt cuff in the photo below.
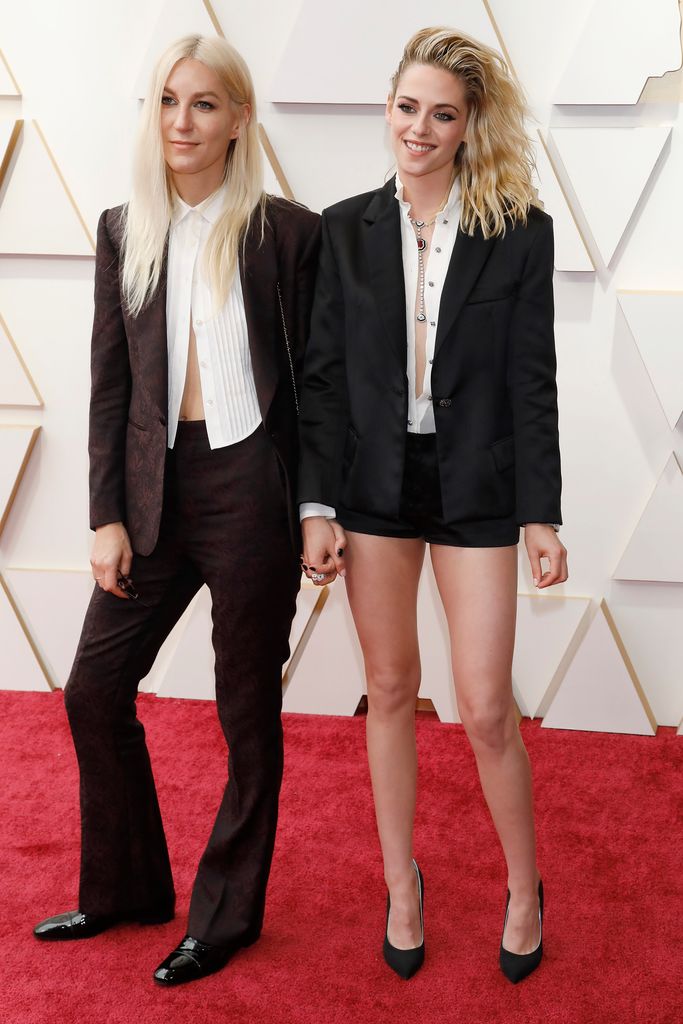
(307, 509)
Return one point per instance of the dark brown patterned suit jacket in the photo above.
(129, 366)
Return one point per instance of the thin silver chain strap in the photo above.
(289, 351)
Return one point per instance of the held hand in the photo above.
(324, 546)
(542, 542)
(111, 555)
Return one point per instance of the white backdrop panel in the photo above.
(36, 214)
(623, 43)
(570, 250)
(656, 323)
(655, 551)
(346, 53)
(53, 605)
(599, 692)
(546, 625)
(594, 158)
(16, 386)
(19, 668)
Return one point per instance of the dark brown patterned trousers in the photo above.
(224, 523)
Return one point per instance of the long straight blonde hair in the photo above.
(495, 161)
(147, 216)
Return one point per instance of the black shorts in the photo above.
(421, 514)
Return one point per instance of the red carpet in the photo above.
(610, 813)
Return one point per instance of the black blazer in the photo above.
(493, 376)
(129, 366)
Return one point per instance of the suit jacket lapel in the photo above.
(384, 250)
(258, 270)
(150, 328)
(470, 253)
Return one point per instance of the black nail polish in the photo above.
(340, 552)
(304, 567)
(312, 568)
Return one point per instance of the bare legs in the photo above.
(478, 587)
(478, 590)
(382, 575)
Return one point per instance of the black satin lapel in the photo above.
(152, 346)
(385, 261)
(470, 253)
(259, 278)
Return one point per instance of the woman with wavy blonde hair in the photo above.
(429, 416)
(203, 291)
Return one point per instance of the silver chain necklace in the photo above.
(421, 246)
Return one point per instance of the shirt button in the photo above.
(209, 401)
(203, 364)
(410, 423)
(431, 361)
(445, 221)
(431, 284)
(429, 397)
(432, 323)
(438, 249)
(198, 323)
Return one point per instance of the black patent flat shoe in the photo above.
(406, 962)
(517, 966)
(190, 961)
(76, 925)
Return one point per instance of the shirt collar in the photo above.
(453, 200)
(209, 208)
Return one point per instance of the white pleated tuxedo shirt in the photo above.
(231, 408)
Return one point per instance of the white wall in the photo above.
(77, 63)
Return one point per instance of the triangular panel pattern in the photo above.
(601, 692)
(655, 550)
(177, 18)
(621, 46)
(185, 664)
(8, 83)
(16, 383)
(20, 669)
(275, 182)
(16, 445)
(571, 253)
(38, 214)
(53, 603)
(435, 650)
(546, 626)
(311, 685)
(656, 323)
(9, 136)
(308, 600)
(341, 53)
(592, 156)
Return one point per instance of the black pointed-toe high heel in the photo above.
(516, 966)
(406, 962)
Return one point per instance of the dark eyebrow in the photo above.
(416, 103)
(196, 95)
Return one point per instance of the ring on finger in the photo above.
(318, 576)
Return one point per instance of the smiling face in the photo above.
(198, 122)
(428, 119)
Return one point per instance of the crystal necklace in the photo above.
(421, 246)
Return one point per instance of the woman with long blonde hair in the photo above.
(429, 416)
(203, 289)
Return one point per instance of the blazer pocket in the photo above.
(138, 426)
(350, 447)
(476, 298)
(503, 452)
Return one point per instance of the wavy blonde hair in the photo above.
(147, 216)
(496, 159)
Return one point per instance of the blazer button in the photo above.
(445, 403)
